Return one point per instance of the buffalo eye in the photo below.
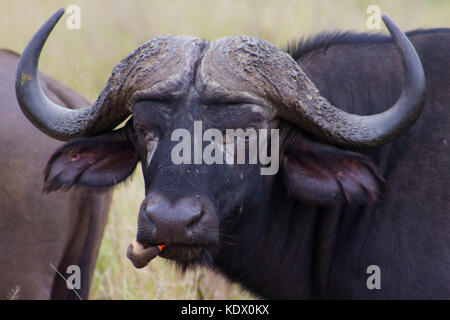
(141, 129)
(150, 139)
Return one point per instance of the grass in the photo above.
(110, 30)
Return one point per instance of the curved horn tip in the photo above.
(59, 12)
(53, 20)
(34, 47)
(32, 100)
(385, 17)
(381, 128)
(55, 120)
(390, 24)
(55, 17)
(409, 55)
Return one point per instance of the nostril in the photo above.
(191, 224)
(194, 220)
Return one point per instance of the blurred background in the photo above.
(110, 29)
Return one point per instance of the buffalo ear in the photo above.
(98, 162)
(323, 174)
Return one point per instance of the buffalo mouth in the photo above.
(141, 254)
(184, 252)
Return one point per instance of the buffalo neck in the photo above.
(291, 247)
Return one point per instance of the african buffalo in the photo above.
(364, 179)
(40, 231)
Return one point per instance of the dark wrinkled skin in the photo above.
(36, 228)
(312, 230)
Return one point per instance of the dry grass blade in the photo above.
(14, 293)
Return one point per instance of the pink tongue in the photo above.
(141, 256)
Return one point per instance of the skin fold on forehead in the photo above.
(162, 67)
(246, 68)
(227, 70)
